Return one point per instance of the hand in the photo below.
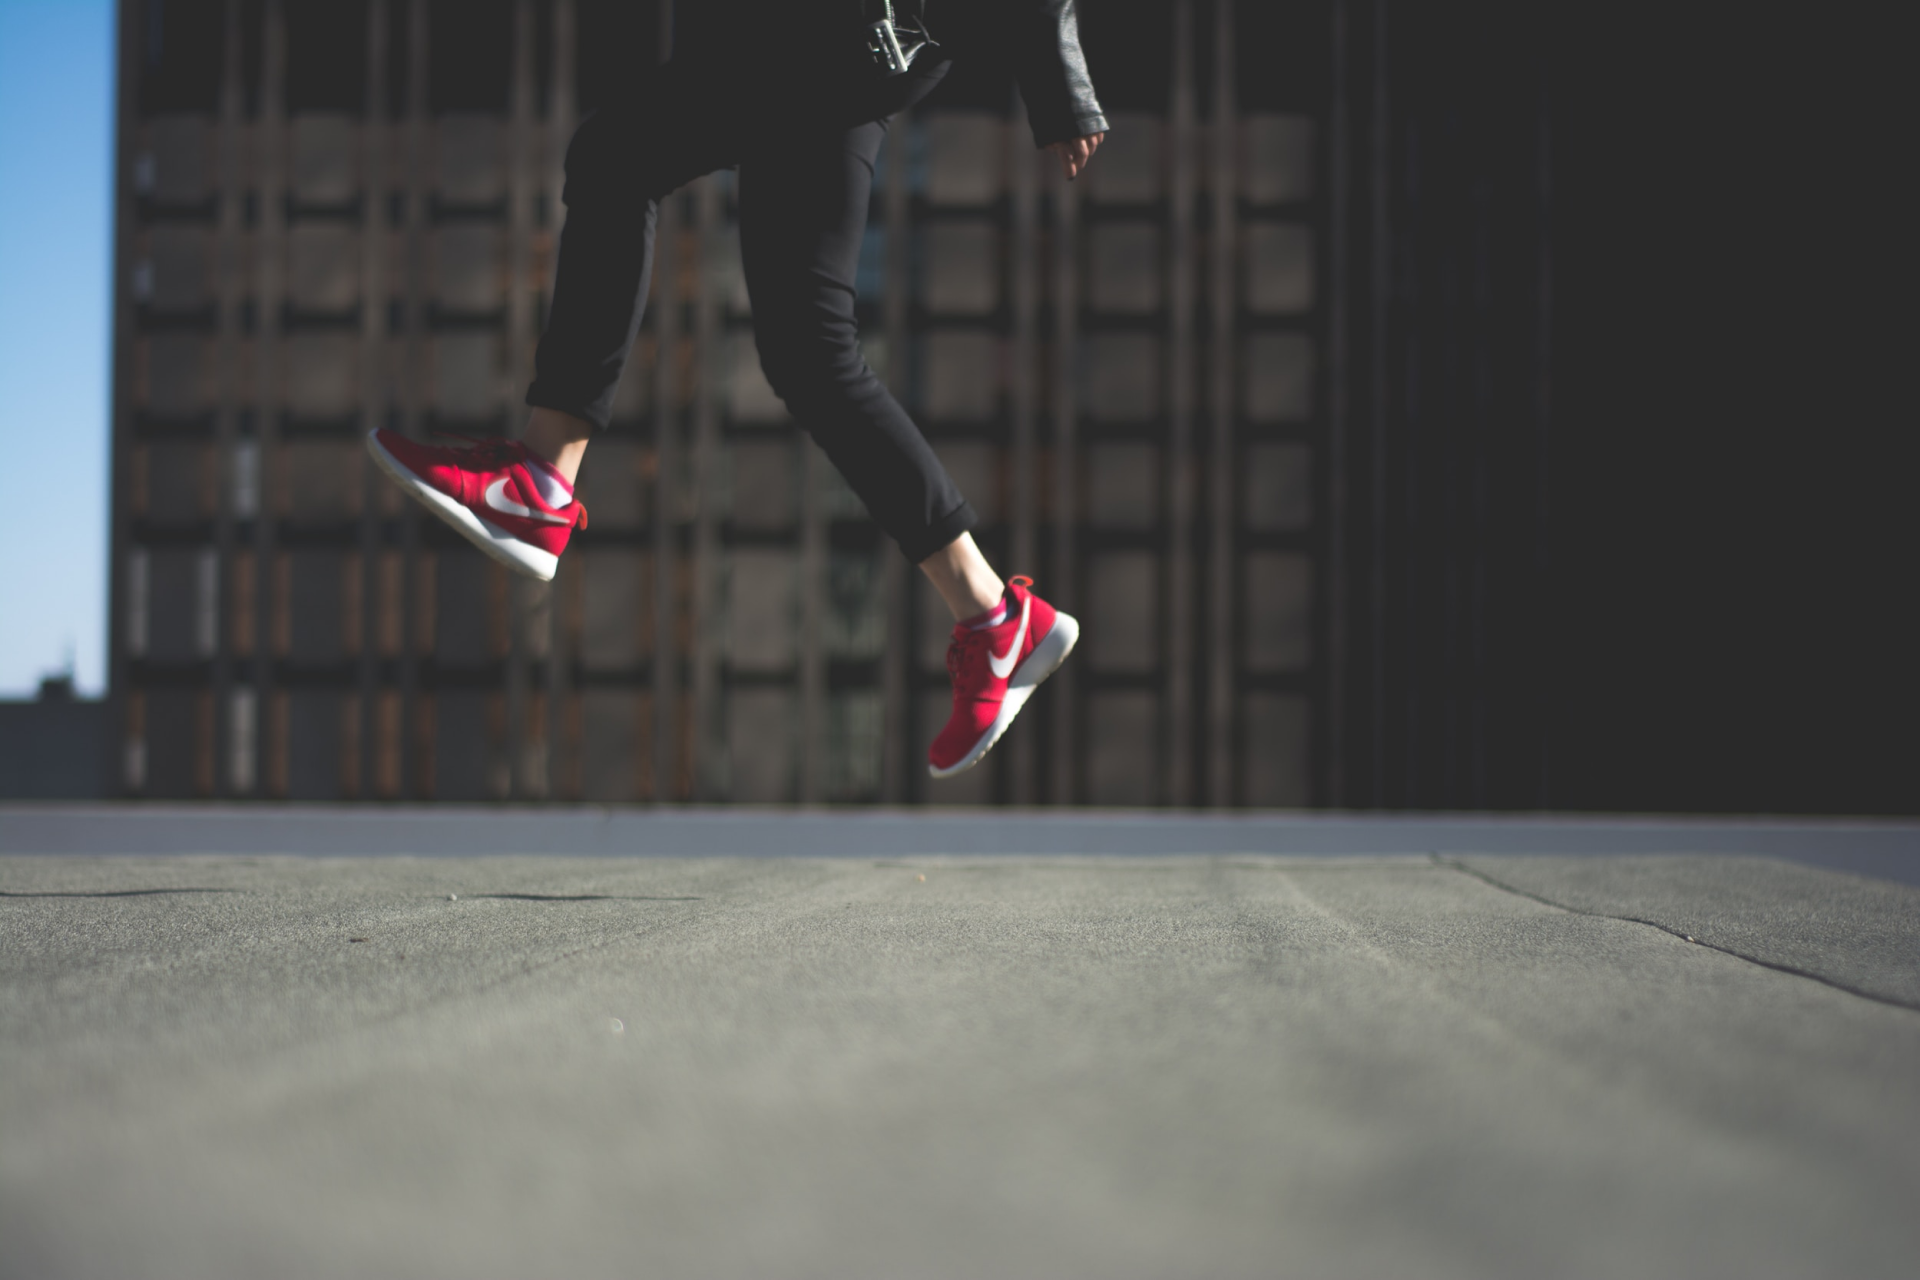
(1074, 155)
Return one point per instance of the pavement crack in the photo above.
(581, 897)
(1683, 935)
(100, 893)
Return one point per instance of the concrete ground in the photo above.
(1211, 1065)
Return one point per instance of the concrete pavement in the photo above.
(1225, 1065)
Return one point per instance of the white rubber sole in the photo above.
(495, 541)
(1028, 676)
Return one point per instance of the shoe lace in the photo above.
(495, 450)
(489, 449)
(964, 653)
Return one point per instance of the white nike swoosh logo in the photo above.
(1003, 667)
(497, 498)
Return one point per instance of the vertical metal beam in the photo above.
(666, 470)
(412, 385)
(270, 147)
(1544, 683)
(895, 580)
(226, 408)
(526, 766)
(666, 494)
(813, 582)
(1025, 262)
(562, 761)
(1063, 376)
(119, 669)
(1180, 300)
(1335, 577)
(373, 377)
(708, 350)
(1220, 757)
(1380, 278)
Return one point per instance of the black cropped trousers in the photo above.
(805, 152)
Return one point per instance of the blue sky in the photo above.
(56, 245)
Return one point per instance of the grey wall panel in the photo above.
(325, 480)
(462, 747)
(1278, 488)
(612, 735)
(462, 584)
(1131, 168)
(1125, 268)
(763, 609)
(765, 484)
(173, 602)
(469, 375)
(469, 266)
(324, 155)
(974, 466)
(1123, 489)
(176, 167)
(613, 607)
(1277, 377)
(961, 268)
(179, 268)
(314, 727)
(323, 374)
(1123, 748)
(962, 376)
(470, 158)
(855, 723)
(1277, 158)
(315, 581)
(323, 267)
(853, 623)
(1124, 611)
(178, 368)
(760, 743)
(177, 482)
(966, 157)
(1275, 773)
(171, 743)
(1278, 607)
(1120, 377)
(1279, 275)
(613, 484)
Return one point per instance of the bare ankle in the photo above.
(560, 438)
(964, 579)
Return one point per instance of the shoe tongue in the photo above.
(553, 487)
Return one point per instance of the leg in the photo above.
(964, 579)
(622, 160)
(803, 212)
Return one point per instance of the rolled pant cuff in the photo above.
(942, 531)
(599, 412)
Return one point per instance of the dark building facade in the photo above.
(55, 747)
(1263, 399)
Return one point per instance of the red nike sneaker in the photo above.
(503, 499)
(995, 670)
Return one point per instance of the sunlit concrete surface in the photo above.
(1024, 1065)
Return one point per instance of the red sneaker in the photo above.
(499, 496)
(995, 670)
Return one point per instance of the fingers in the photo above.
(1074, 155)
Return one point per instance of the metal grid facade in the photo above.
(340, 216)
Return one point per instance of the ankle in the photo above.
(559, 439)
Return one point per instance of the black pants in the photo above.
(805, 153)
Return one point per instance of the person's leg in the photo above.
(803, 212)
(622, 160)
(560, 438)
(964, 579)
